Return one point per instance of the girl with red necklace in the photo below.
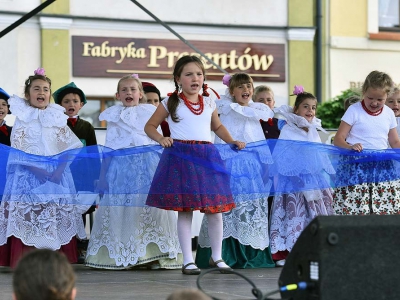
(191, 118)
(368, 124)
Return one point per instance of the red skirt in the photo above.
(190, 176)
(12, 252)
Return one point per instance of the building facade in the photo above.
(364, 35)
(95, 42)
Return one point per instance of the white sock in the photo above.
(185, 236)
(215, 233)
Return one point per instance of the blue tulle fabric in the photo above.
(263, 168)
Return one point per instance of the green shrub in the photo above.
(330, 112)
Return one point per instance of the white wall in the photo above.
(20, 53)
(353, 60)
(19, 5)
(255, 12)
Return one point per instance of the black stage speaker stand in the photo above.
(346, 258)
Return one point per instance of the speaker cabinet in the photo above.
(346, 258)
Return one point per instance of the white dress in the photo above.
(124, 235)
(248, 222)
(292, 212)
(28, 210)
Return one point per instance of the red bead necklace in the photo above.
(190, 105)
(371, 112)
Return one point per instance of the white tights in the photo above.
(185, 236)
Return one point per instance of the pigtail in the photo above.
(173, 102)
(205, 87)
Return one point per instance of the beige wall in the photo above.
(348, 18)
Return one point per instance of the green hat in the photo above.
(67, 89)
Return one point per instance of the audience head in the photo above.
(44, 275)
(188, 294)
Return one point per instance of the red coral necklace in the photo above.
(372, 113)
(191, 105)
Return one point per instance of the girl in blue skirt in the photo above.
(191, 118)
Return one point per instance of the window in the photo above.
(92, 109)
(389, 15)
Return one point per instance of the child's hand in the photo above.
(240, 145)
(357, 147)
(166, 142)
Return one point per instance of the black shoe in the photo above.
(82, 244)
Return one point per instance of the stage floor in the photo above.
(157, 284)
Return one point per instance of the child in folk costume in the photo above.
(191, 118)
(5, 133)
(245, 230)
(264, 94)
(50, 220)
(5, 130)
(350, 101)
(73, 99)
(393, 101)
(368, 124)
(292, 212)
(153, 96)
(124, 236)
(272, 127)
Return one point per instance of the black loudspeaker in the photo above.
(346, 258)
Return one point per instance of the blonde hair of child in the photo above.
(131, 78)
(378, 80)
(261, 89)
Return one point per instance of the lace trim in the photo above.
(52, 116)
(291, 118)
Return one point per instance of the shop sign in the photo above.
(155, 58)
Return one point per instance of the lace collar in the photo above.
(286, 112)
(127, 115)
(52, 116)
(253, 110)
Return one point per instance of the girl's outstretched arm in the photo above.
(151, 127)
(394, 141)
(341, 135)
(221, 131)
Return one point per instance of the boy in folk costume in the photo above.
(73, 99)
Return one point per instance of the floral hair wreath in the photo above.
(298, 89)
(135, 76)
(226, 79)
(40, 71)
(37, 72)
